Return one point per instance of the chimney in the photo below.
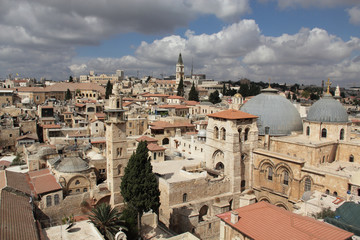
(234, 217)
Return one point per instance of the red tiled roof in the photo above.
(173, 106)
(155, 95)
(176, 97)
(64, 86)
(43, 181)
(147, 139)
(16, 217)
(155, 147)
(28, 136)
(80, 105)
(263, 220)
(14, 180)
(52, 126)
(4, 163)
(163, 124)
(129, 99)
(232, 114)
(98, 141)
(191, 103)
(100, 115)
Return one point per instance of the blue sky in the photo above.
(302, 41)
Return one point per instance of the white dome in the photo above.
(97, 157)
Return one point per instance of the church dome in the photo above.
(274, 111)
(202, 133)
(238, 95)
(327, 109)
(72, 165)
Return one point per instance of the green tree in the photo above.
(244, 90)
(193, 94)
(288, 96)
(214, 97)
(180, 88)
(107, 220)
(294, 97)
(68, 95)
(224, 91)
(139, 186)
(71, 79)
(17, 160)
(108, 90)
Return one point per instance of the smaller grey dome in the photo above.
(72, 165)
(202, 133)
(327, 109)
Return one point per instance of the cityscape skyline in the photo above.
(291, 42)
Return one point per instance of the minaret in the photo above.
(337, 92)
(116, 145)
(179, 69)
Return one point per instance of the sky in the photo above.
(289, 41)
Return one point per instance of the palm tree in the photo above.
(107, 220)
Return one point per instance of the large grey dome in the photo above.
(72, 165)
(274, 111)
(327, 109)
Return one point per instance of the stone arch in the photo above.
(203, 212)
(165, 141)
(264, 163)
(351, 158)
(307, 183)
(105, 199)
(283, 166)
(218, 156)
(282, 205)
(264, 199)
(72, 180)
(246, 134)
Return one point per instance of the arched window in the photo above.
(154, 155)
(335, 194)
(119, 169)
(246, 135)
(327, 191)
(48, 201)
(184, 197)
(270, 173)
(223, 134)
(216, 133)
(219, 166)
(285, 177)
(242, 185)
(239, 131)
(323, 133)
(203, 211)
(165, 141)
(307, 131)
(77, 182)
(307, 186)
(351, 158)
(342, 133)
(56, 199)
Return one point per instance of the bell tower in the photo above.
(179, 69)
(116, 145)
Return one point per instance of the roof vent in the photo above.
(234, 217)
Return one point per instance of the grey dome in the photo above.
(274, 111)
(327, 109)
(202, 133)
(72, 165)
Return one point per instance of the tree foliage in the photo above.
(180, 88)
(214, 97)
(108, 90)
(68, 95)
(193, 94)
(325, 212)
(107, 220)
(71, 79)
(139, 186)
(17, 160)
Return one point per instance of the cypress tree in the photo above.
(108, 90)
(193, 94)
(68, 95)
(71, 79)
(214, 97)
(139, 186)
(224, 92)
(180, 88)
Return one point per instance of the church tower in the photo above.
(179, 69)
(232, 135)
(116, 145)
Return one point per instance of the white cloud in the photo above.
(311, 3)
(239, 50)
(354, 14)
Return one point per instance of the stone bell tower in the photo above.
(179, 69)
(116, 145)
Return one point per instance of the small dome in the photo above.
(238, 95)
(91, 154)
(202, 133)
(274, 111)
(25, 100)
(327, 109)
(72, 165)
